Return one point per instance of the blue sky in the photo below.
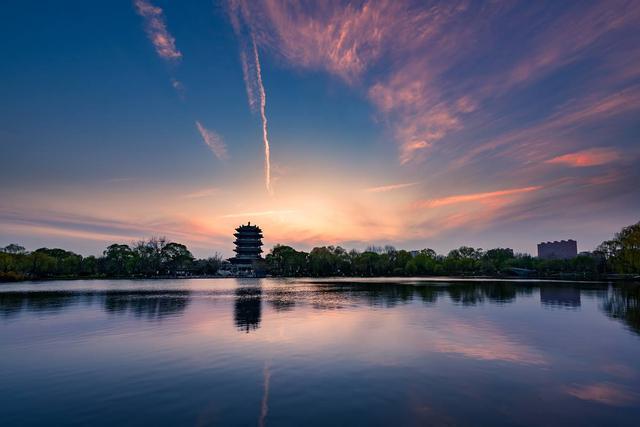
(417, 124)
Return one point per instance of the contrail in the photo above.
(249, 81)
(263, 105)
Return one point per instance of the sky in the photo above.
(417, 124)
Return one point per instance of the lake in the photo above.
(319, 352)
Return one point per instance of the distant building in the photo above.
(248, 244)
(563, 249)
(248, 261)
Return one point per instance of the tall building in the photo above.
(563, 249)
(248, 244)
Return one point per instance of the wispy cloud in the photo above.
(263, 115)
(584, 158)
(98, 228)
(391, 187)
(156, 29)
(410, 59)
(252, 74)
(214, 141)
(259, 213)
(534, 142)
(250, 82)
(475, 197)
(178, 86)
(206, 192)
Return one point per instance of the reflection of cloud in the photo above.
(156, 29)
(264, 407)
(482, 341)
(604, 393)
(385, 188)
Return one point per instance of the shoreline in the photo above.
(555, 279)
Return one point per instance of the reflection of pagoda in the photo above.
(248, 244)
(248, 308)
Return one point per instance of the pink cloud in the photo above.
(584, 158)
(156, 29)
(206, 192)
(392, 187)
(534, 143)
(401, 55)
(213, 141)
(569, 35)
(486, 197)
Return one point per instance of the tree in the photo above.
(208, 266)
(464, 260)
(13, 249)
(495, 260)
(175, 256)
(622, 253)
(627, 260)
(149, 255)
(119, 260)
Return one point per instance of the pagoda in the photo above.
(248, 244)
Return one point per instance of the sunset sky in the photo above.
(417, 124)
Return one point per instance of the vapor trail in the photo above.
(263, 105)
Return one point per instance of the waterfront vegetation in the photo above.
(158, 257)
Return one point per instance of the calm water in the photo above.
(299, 352)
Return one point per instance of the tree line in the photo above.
(619, 255)
(157, 257)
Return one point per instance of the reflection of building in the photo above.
(563, 249)
(248, 308)
(560, 297)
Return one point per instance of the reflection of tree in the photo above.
(389, 295)
(282, 299)
(623, 303)
(336, 295)
(501, 292)
(12, 303)
(428, 294)
(466, 294)
(332, 295)
(495, 292)
(149, 304)
(248, 308)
